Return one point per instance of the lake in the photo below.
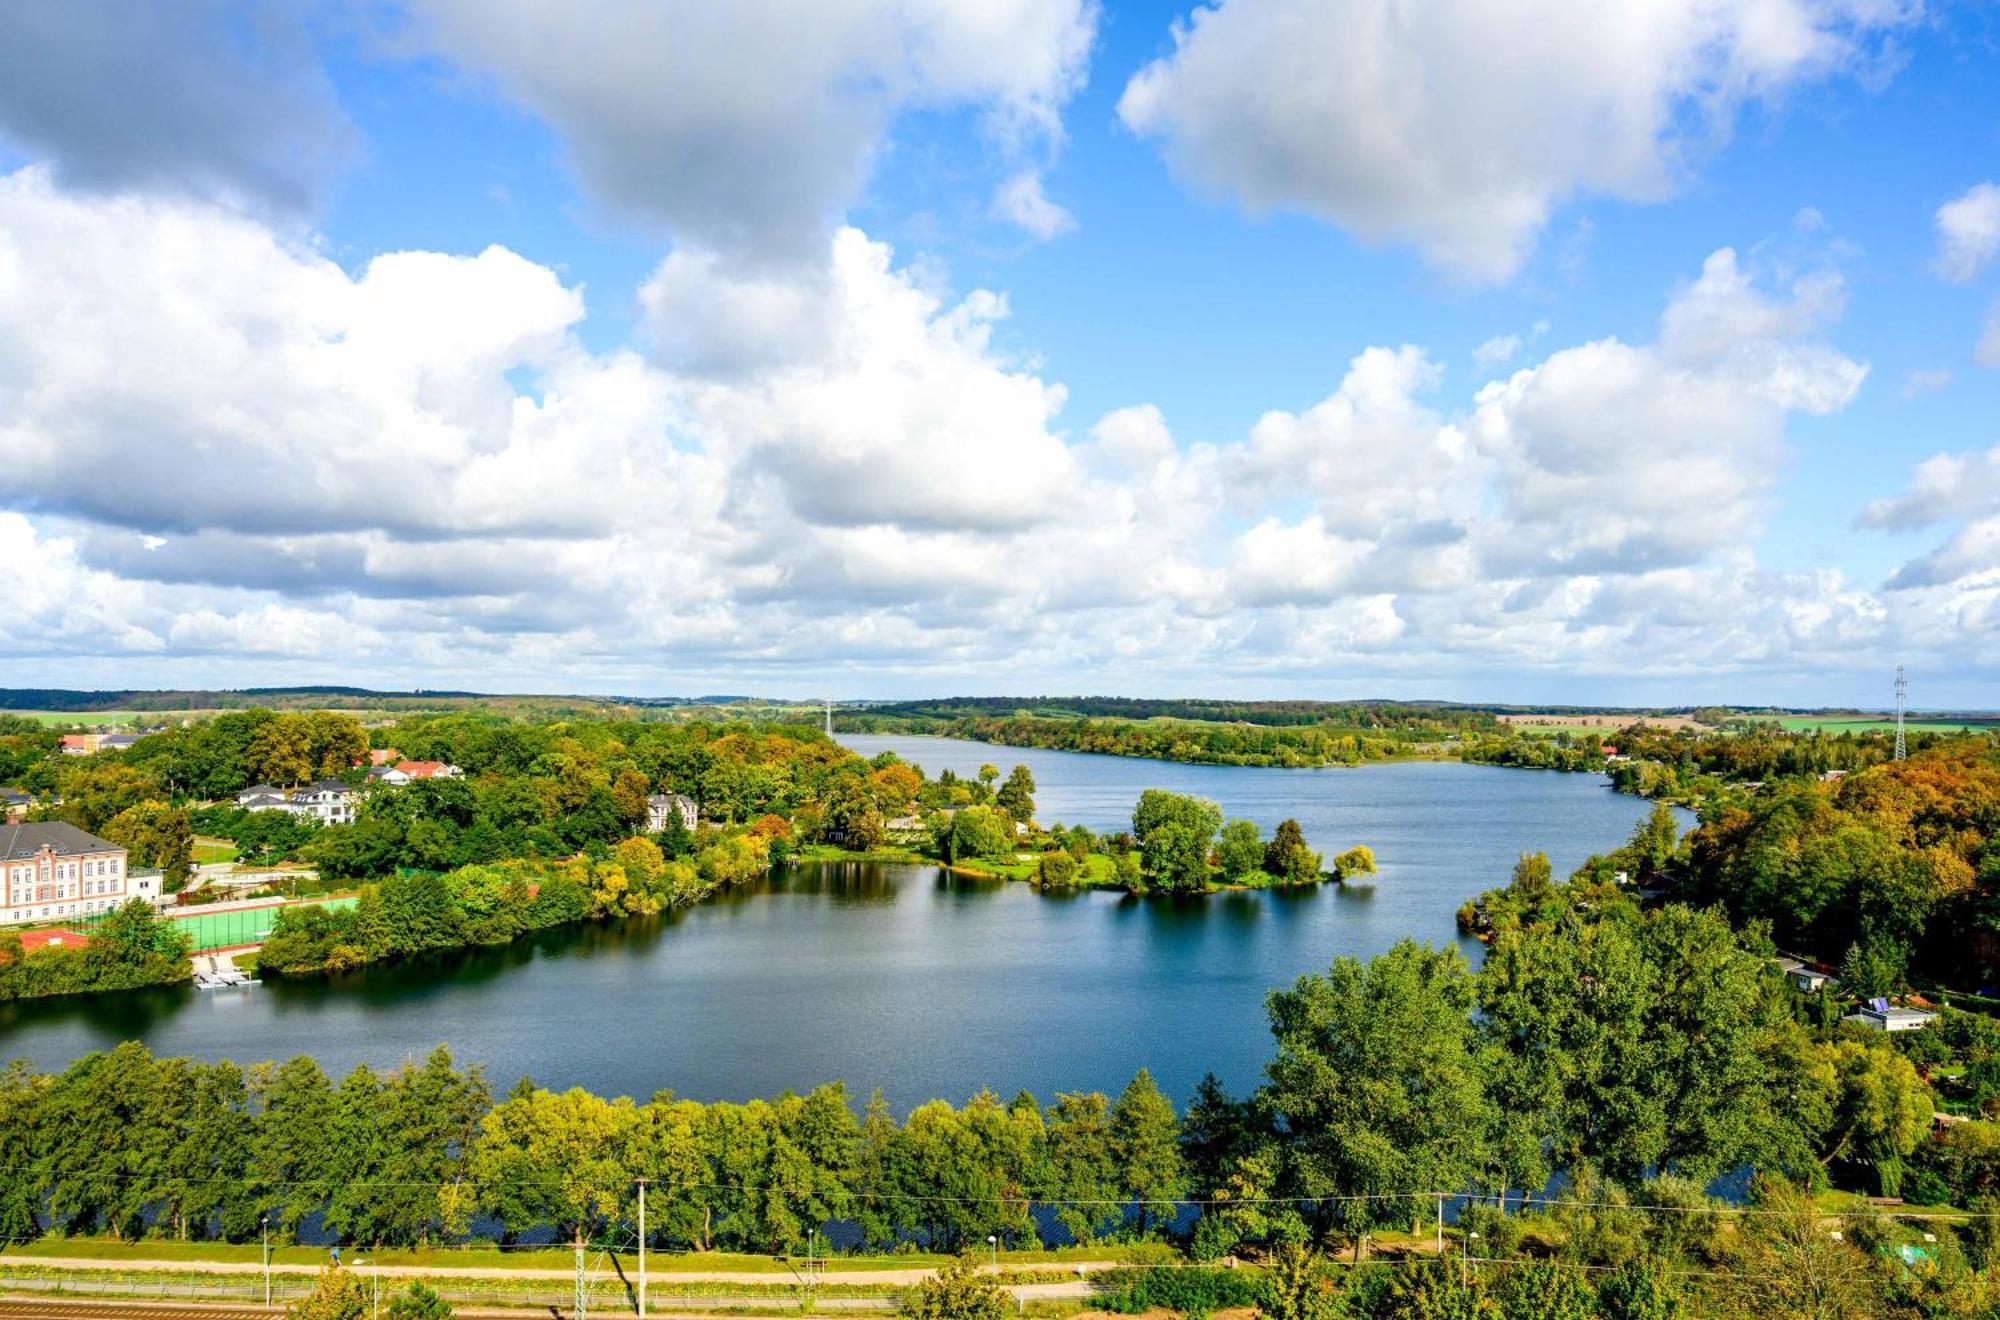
(901, 978)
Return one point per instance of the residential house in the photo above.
(383, 756)
(1881, 1015)
(1803, 975)
(51, 869)
(329, 802)
(14, 802)
(404, 772)
(263, 797)
(86, 744)
(664, 807)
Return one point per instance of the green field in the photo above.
(222, 930)
(1876, 724)
(94, 719)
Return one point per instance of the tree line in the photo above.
(1638, 1054)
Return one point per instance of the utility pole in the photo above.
(1440, 1221)
(642, 1249)
(264, 1226)
(829, 717)
(1902, 700)
(579, 1314)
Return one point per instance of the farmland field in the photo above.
(1853, 723)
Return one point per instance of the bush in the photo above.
(956, 1292)
(1058, 869)
(1192, 1290)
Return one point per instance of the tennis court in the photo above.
(222, 930)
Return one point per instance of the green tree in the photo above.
(1057, 870)
(1146, 1151)
(158, 835)
(1017, 795)
(1298, 1286)
(1376, 1084)
(1174, 832)
(1432, 1289)
(1082, 1173)
(955, 1292)
(1289, 858)
(337, 1295)
(544, 1158)
(419, 1302)
(1358, 860)
(1882, 1110)
(1545, 1290)
(1641, 1290)
(1239, 852)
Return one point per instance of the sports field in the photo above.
(223, 930)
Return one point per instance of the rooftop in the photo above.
(28, 838)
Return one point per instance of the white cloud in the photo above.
(748, 126)
(220, 449)
(1629, 458)
(899, 413)
(1021, 201)
(1459, 126)
(1968, 232)
(1497, 351)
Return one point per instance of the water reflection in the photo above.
(905, 977)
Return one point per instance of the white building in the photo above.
(329, 802)
(51, 870)
(662, 807)
(1881, 1015)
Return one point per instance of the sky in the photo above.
(1555, 351)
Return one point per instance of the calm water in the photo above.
(896, 977)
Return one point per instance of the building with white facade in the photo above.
(330, 802)
(51, 870)
(663, 807)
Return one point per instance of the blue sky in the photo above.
(1546, 352)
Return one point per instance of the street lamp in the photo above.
(1465, 1261)
(375, 1273)
(264, 1227)
(993, 1243)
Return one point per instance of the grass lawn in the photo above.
(208, 851)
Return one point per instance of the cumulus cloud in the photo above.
(215, 443)
(1960, 492)
(1459, 127)
(210, 98)
(1968, 232)
(748, 126)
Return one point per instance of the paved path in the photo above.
(661, 1277)
(69, 1308)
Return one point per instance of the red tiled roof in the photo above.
(32, 940)
(421, 769)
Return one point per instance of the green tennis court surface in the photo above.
(221, 930)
